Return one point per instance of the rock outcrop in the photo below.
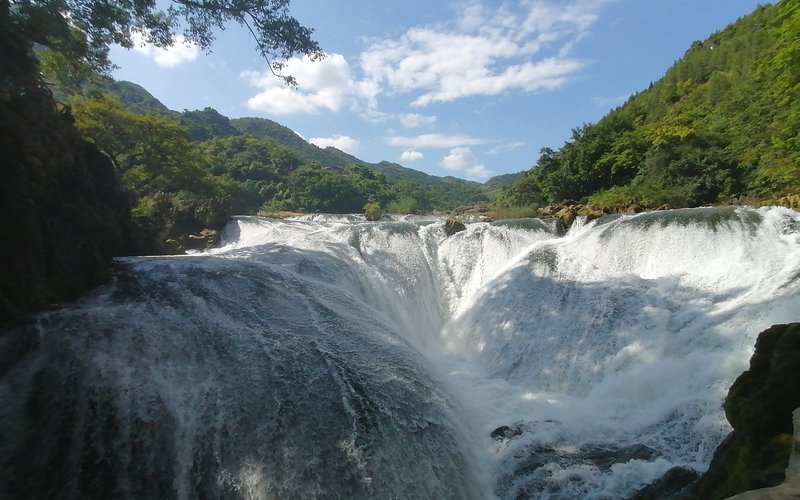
(64, 211)
(790, 488)
(670, 485)
(453, 225)
(759, 406)
(172, 230)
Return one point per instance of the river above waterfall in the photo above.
(331, 357)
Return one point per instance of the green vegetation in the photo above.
(372, 211)
(257, 164)
(720, 124)
(169, 159)
(73, 36)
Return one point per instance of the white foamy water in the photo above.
(332, 357)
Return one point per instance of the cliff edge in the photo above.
(64, 212)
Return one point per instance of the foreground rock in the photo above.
(63, 209)
(790, 488)
(670, 485)
(173, 230)
(531, 464)
(759, 407)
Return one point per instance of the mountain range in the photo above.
(204, 124)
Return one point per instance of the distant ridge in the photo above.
(204, 124)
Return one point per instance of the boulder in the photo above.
(506, 432)
(204, 240)
(591, 211)
(759, 407)
(603, 457)
(632, 208)
(453, 225)
(566, 215)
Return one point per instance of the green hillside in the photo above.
(268, 129)
(169, 160)
(723, 122)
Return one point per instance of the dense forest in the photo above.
(723, 122)
(177, 158)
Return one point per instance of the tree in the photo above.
(151, 152)
(82, 30)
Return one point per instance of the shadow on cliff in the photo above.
(64, 211)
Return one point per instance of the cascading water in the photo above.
(329, 357)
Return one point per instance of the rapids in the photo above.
(330, 357)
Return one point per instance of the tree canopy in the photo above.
(78, 33)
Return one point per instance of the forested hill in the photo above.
(723, 122)
(169, 160)
(208, 123)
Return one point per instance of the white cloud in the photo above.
(340, 142)
(433, 141)
(508, 146)
(487, 51)
(412, 120)
(326, 84)
(411, 156)
(462, 160)
(169, 57)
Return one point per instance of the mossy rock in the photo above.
(453, 225)
(759, 406)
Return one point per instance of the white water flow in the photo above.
(329, 357)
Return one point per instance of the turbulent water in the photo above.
(329, 357)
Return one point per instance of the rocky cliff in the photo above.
(759, 406)
(63, 209)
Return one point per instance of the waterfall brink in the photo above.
(330, 357)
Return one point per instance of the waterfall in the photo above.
(331, 357)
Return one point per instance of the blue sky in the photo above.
(464, 88)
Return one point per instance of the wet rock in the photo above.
(506, 432)
(532, 467)
(603, 457)
(600, 456)
(204, 240)
(670, 485)
(759, 407)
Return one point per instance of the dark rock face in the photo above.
(670, 485)
(759, 407)
(64, 212)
